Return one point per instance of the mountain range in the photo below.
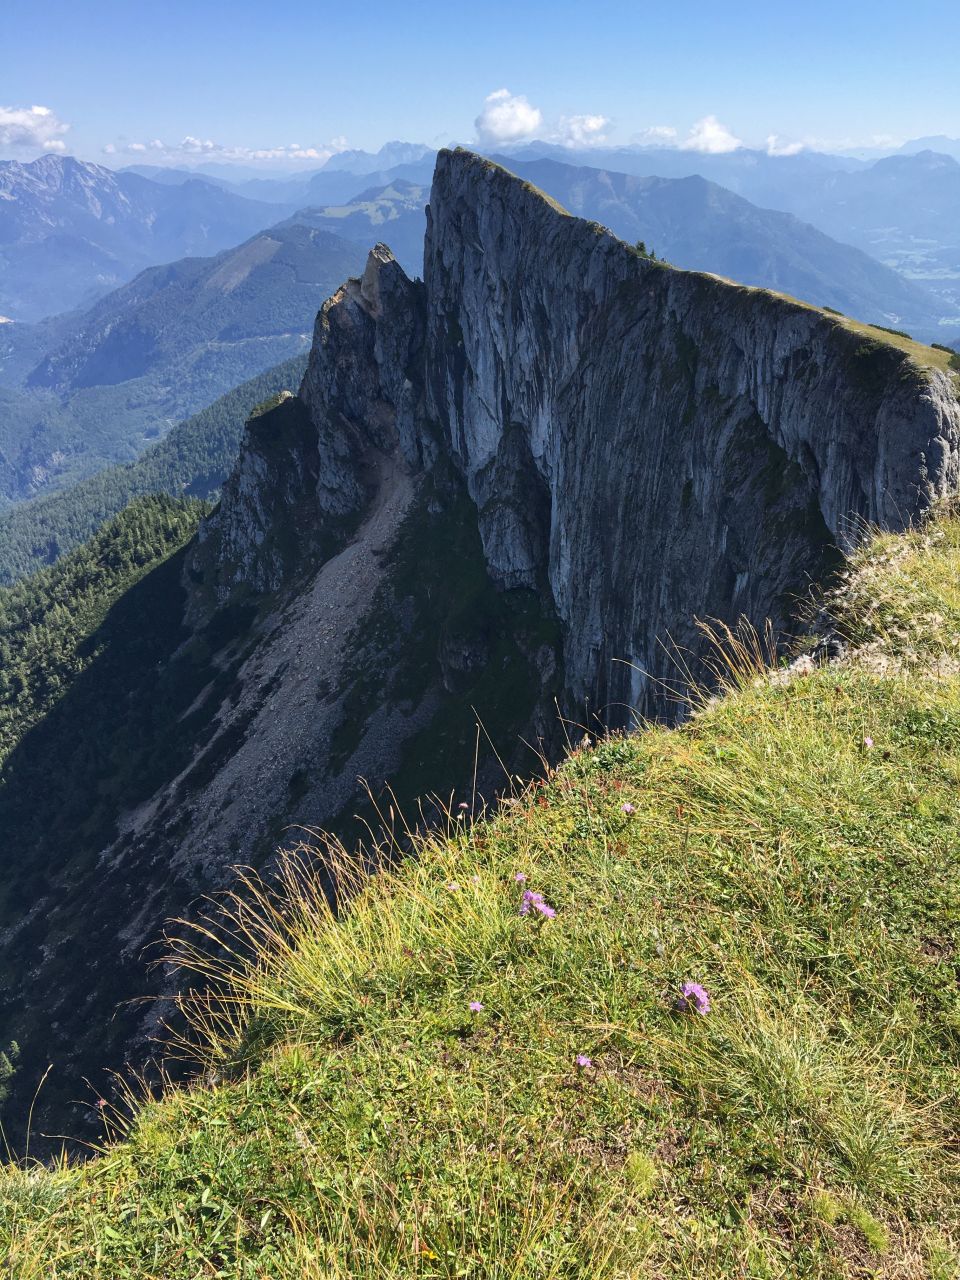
(692, 222)
(394, 213)
(699, 225)
(71, 231)
(903, 210)
(94, 387)
(503, 489)
(938, 142)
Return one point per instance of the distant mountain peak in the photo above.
(389, 155)
(70, 230)
(50, 171)
(927, 159)
(938, 143)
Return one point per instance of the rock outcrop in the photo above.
(642, 444)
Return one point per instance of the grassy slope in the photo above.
(793, 848)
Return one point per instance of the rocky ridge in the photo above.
(646, 445)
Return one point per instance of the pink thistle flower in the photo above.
(693, 998)
(453, 886)
(463, 806)
(868, 744)
(476, 1006)
(521, 877)
(583, 1062)
(628, 808)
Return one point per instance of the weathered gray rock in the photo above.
(644, 445)
(658, 444)
(309, 468)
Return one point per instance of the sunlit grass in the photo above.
(931, 357)
(793, 849)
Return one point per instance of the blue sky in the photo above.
(245, 77)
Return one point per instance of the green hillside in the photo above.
(51, 624)
(91, 712)
(193, 459)
(115, 378)
(441, 1084)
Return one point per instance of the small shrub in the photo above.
(874, 1232)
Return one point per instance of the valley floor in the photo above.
(487, 1066)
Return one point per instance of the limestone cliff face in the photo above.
(655, 443)
(642, 445)
(309, 469)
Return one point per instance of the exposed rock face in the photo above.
(515, 481)
(648, 445)
(698, 443)
(314, 465)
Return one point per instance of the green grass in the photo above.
(793, 848)
(928, 357)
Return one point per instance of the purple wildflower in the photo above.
(532, 901)
(583, 1061)
(628, 808)
(520, 877)
(463, 805)
(453, 886)
(694, 998)
(476, 1006)
(868, 743)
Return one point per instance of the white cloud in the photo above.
(710, 136)
(582, 131)
(657, 135)
(33, 127)
(777, 146)
(191, 148)
(507, 117)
